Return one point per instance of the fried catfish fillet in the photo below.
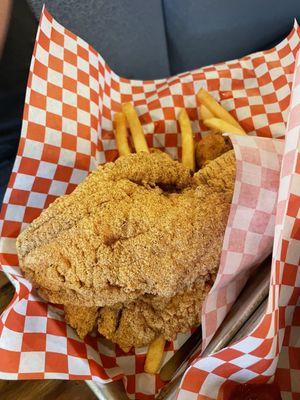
(137, 231)
(211, 147)
(137, 323)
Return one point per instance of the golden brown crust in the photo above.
(211, 147)
(124, 230)
(139, 238)
(82, 319)
(141, 321)
(137, 323)
(219, 175)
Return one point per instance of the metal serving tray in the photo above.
(243, 316)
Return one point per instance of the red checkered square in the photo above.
(29, 166)
(55, 327)
(57, 363)
(33, 342)
(248, 195)
(30, 214)
(15, 321)
(195, 381)
(9, 361)
(76, 348)
(237, 240)
(41, 185)
(36, 308)
(226, 370)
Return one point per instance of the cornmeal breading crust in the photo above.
(136, 237)
(137, 323)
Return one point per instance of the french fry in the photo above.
(216, 109)
(136, 129)
(121, 134)
(222, 126)
(205, 113)
(188, 147)
(154, 355)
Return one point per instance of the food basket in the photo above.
(67, 130)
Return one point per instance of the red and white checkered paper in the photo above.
(272, 349)
(67, 131)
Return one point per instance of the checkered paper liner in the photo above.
(67, 131)
(272, 350)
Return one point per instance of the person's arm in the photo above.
(5, 9)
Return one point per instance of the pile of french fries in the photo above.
(129, 117)
(216, 118)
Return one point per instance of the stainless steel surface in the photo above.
(252, 321)
(171, 368)
(243, 316)
(108, 391)
(169, 391)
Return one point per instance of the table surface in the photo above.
(38, 390)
